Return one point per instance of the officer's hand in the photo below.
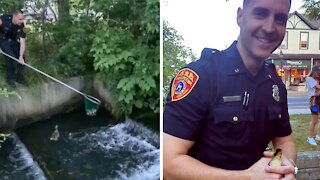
(268, 154)
(21, 60)
(258, 170)
(286, 169)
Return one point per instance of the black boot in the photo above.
(22, 81)
(11, 83)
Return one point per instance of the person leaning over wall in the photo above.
(12, 42)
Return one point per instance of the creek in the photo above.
(88, 148)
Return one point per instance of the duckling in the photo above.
(55, 135)
(4, 137)
(276, 160)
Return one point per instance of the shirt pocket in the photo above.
(273, 124)
(274, 112)
(231, 115)
(233, 125)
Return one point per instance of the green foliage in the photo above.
(73, 53)
(175, 54)
(9, 6)
(4, 92)
(312, 9)
(126, 54)
(63, 46)
(116, 40)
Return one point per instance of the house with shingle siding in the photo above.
(299, 50)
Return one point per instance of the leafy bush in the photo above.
(128, 57)
(117, 40)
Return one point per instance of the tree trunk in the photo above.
(63, 10)
(44, 53)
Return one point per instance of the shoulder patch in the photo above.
(183, 84)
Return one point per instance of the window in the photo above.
(284, 44)
(304, 38)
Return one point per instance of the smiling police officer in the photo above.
(223, 110)
(12, 42)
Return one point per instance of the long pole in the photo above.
(29, 66)
(54, 79)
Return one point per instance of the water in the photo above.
(88, 148)
(16, 161)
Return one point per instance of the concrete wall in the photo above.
(309, 165)
(43, 101)
(107, 99)
(38, 103)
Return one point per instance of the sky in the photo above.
(206, 23)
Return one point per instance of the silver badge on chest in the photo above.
(275, 93)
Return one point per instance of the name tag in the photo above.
(231, 98)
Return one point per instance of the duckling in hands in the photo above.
(55, 135)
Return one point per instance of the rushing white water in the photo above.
(124, 151)
(132, 149)
(144, 143)
(19, 163)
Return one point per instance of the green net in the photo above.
(92, 105)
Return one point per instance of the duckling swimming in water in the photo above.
(4, 137)
(55, 135)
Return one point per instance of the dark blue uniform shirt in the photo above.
(230, 114)
(8, 30)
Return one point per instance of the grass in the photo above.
(31, 76)
(300, 127)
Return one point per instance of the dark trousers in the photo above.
(12, 48)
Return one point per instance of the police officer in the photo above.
(224, 109)
(12, 42)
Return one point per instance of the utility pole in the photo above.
(281, 66)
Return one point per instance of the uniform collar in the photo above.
(235, 63)
(237, 66)
(269, 70)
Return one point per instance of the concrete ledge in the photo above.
(38, 103)
(308, 174)
(309, 165)
(107, 100)
(42, 101)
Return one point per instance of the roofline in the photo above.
(303, 19)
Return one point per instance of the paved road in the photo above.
(298, 103)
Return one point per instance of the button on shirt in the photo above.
(230, 114)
